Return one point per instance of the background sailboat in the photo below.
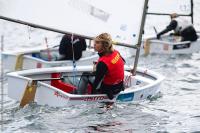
(167, 44)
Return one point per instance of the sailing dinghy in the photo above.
(158, 16)
(57, 86)
(53, 90)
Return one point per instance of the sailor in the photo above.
(181, 27)
(67, 52)
(109, 74)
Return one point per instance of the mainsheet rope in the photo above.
(74, 62)
(48, 51)
(127, 80)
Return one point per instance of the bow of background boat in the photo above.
(38, 58)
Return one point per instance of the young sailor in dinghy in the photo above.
(181, 28)
(66, 50)
(109, 74)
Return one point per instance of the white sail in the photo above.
(170, 6)
(120, 18)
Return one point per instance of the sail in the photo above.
(170, 6)
(120, 18)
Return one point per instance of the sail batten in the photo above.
(87, 18)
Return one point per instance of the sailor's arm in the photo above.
(101, 70)
(170, 27)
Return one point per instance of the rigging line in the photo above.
(2, 83)
(48, 51)
(127, 80)
(74, 62)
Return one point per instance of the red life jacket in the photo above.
(115, 65)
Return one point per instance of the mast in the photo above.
(140, 37)
(192, 11)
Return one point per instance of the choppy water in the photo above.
(177, 110)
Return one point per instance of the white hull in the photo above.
(31, 62)
(142, 86)
(168, 45)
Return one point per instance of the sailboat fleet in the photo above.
(51, 82)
